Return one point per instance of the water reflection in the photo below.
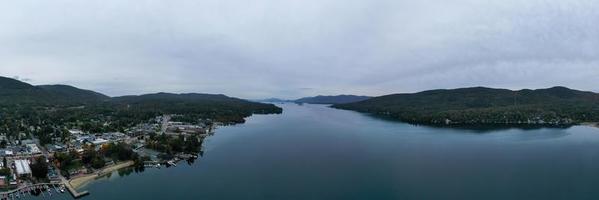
(549, 133)
(479, 128)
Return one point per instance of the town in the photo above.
(30, 167)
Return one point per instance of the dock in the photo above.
(73, 191)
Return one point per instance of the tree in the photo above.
(5, 171)
(39, 169)
(88, 155)
(98, 163)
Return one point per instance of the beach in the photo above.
(81, 181)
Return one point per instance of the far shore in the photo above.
(81, 181)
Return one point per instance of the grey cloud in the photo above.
(263, 48)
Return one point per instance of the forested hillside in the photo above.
(557, 105)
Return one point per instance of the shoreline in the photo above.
(81, 181)
(591, 124)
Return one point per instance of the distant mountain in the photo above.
(214, 106)
(196, 106)
(16, 92)
(13, 84)
(172, 97)
(340, 99)
(479, 105)
(273, 100)
(74, 93)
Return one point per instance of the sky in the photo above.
(295, 48)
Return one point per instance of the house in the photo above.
(75, 132)
(33, 149)
(8, 153)
(85, 138)
(27, 142)
(99, 142)
(55, 148)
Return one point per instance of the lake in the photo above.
(316, 152)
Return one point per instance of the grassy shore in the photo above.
(81, 181)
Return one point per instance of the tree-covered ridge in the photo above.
(75, 93)
(43, 111)
(14, 92)
(206, 106)
(479, 105)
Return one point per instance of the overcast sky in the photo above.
(295, 48)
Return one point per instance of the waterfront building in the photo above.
(23, 168)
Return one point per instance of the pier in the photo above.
(73, 191)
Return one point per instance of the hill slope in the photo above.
(14, 91)
(23, 100)
(339, 99)
(557, 105)
(67, 91)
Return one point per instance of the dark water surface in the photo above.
(315, 152)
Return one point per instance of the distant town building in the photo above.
(33, 149)
(99, 142)
(75, 132)
(8, 153)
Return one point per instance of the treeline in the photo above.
(97, 159)
(553, 106)
(48, 111)
(173, 145)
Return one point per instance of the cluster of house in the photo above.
(143, 129)
(180, 128)
(20, 154)
(80, 139)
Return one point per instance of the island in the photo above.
(556, 106)
(57, 138)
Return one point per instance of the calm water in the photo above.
(315, 152)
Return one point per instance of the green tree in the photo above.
(98, 163)
(39, 169)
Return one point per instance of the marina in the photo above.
(42, 189)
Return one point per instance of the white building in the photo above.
(99, 141)
(33, 149)
(75, 132)
(23, 168)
